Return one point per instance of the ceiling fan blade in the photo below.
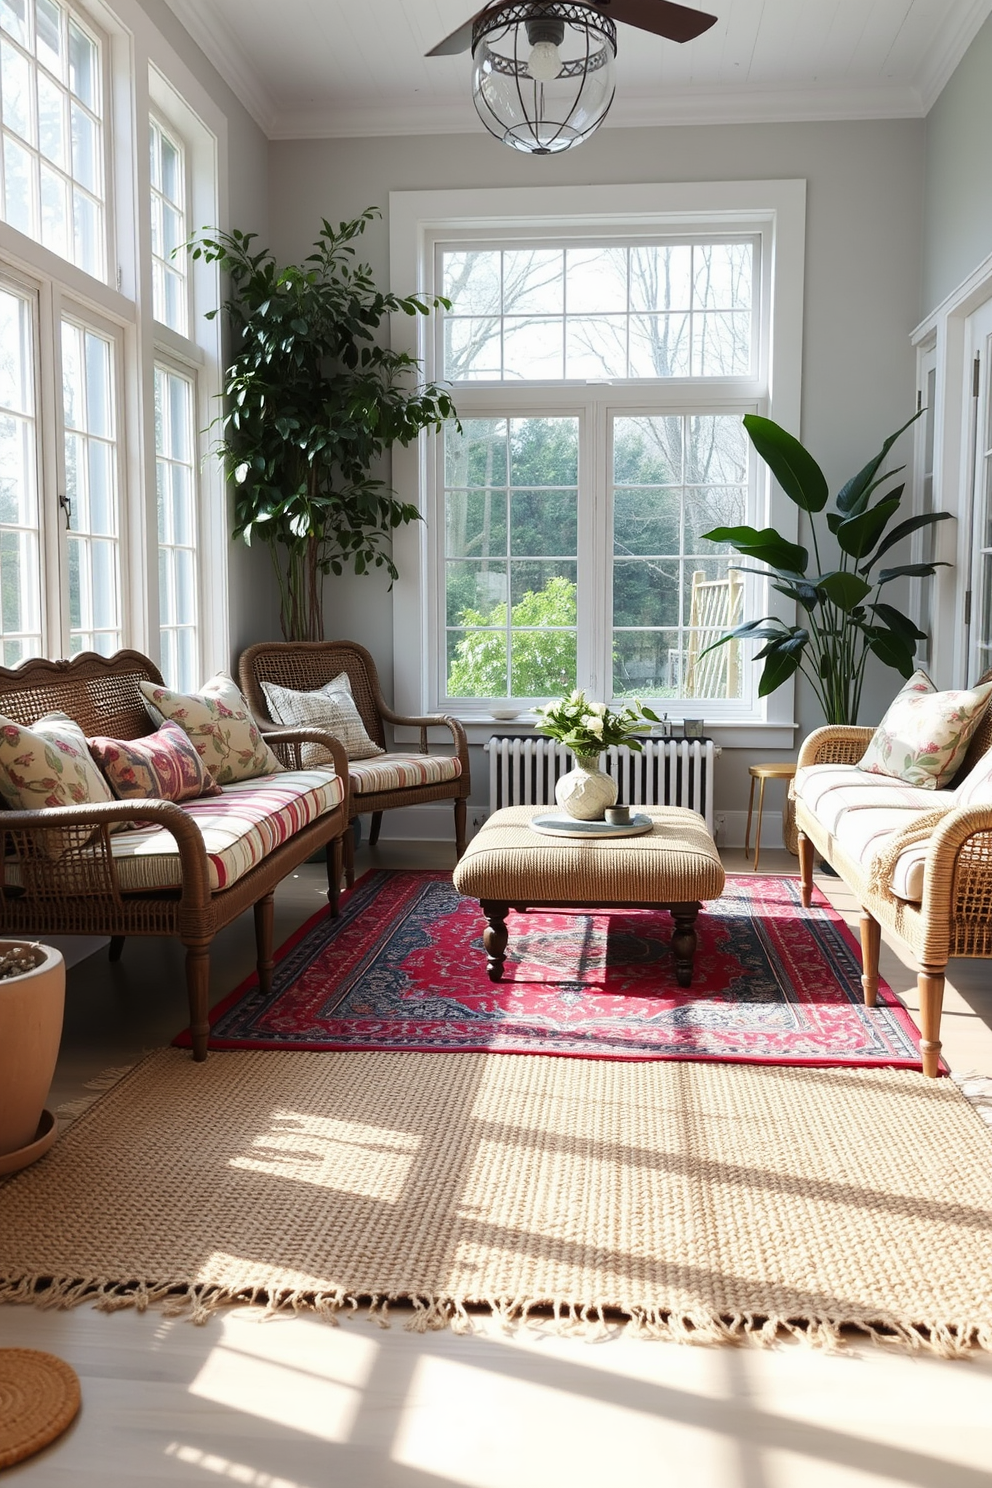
(458, 41)
(662, 17)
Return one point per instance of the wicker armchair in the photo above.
(74, 889)
(954, 917)
(305, 666)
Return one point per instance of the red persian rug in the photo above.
(403, 968)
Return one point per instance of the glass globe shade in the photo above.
(518, 97)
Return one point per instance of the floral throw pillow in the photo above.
(164, 766)
(218, 721)
(925, 734)
(331, 707)
(48, 764)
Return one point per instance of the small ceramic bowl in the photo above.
(505, 715)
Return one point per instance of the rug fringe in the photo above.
(198, 1302)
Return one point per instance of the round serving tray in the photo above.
(560, 825)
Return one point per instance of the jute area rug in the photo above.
(707, 1202)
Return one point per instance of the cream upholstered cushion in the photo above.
(218, 721)
(925, 734)
(830, 791)
(240, 826)
(863, 835)
(332, 708)
(402, 772)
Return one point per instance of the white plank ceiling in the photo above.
(320, 68)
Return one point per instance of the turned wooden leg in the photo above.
(460, 815)
(374, 828)
(264, 908)
(494, 937)
(871, 935)
(684, 940)
(930, 985)
(335, 855)
(349, 855)
(198, 992)
(116, 947)
(805, 869)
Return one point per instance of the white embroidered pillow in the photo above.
(218, 721)
(331, 707)
(925, 734)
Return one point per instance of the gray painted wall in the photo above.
(865, 199)
(957, 220)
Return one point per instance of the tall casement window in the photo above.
(601, 370)
(107, 366)
(167, 160)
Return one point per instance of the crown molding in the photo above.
(223, 52)
(679, 106)
(950, 47)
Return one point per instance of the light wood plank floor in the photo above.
(293, 1403)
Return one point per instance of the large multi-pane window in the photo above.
(51, 118)
(574, 548)
(168, 215)
(107, 366)
(175, 481)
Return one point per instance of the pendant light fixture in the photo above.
(543, 77)
(544, 71)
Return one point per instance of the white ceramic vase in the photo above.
(586, 791)
(31, 1008)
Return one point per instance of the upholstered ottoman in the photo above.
(674, 866)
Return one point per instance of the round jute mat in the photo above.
(39, 1397)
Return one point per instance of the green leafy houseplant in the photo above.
(312, 401)
(843, 617)
(586, 728)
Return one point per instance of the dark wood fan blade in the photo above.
(458, 41)
(662, 17)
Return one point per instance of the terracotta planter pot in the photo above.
(31, 1007)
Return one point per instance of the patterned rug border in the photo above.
(219, 1043)
(425, 1313)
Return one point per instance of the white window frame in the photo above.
(419, 220)
(141, 74)
(947, 336)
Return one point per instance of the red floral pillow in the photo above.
(163, 766)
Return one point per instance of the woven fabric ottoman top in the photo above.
(675, 862)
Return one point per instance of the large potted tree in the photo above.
(313, 400)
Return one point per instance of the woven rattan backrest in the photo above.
(100, 692)
(305, 666)
(981, 740)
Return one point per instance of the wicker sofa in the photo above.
(919, 862)
(64, 873)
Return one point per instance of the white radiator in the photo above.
(669, 772)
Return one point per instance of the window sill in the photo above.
(737, 735)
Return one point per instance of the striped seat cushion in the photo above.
(835, 795)
(401, 772)
(240, 827)
(864, 834)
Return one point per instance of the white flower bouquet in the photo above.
(586, 727)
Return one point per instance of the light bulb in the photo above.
(544, 63)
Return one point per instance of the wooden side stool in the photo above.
(762, 773)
